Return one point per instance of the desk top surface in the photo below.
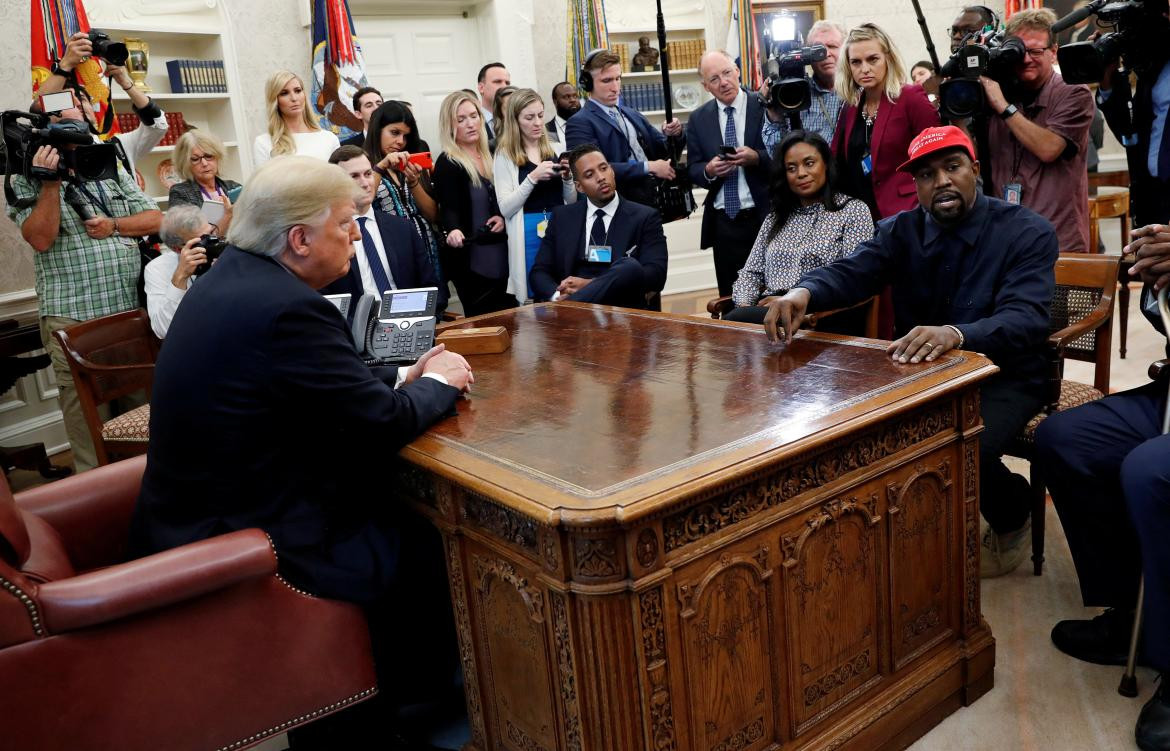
(593, 410)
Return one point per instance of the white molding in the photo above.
(46, 384)
(47, 429)
(18, 304)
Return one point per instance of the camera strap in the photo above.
(100, 200)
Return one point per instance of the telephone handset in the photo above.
(396, 329)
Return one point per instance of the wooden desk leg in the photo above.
(1123, 308)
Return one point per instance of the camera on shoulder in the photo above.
(961, 94)
(784, 66)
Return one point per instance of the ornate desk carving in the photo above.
(666, 533)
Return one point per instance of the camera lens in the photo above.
(960, 98)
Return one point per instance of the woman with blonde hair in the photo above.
(526, 189)
(475, 253)
(197, 156)
(883, 112)
(291, 127)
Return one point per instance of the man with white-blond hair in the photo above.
(167, 278)
(726, 155)
(263, 414)
(821, 117)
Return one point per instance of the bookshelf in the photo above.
(684, 74)
(200, 35)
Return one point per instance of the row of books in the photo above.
(685, 54)
(643, 96)
(128, 121)
(197, 76)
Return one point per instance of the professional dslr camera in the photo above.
(788, 89)
(214, 245)
(114, 53)
(1140, 34)
(961, 95)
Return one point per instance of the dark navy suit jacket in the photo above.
(704, 139)
(407, 254)
(592, 125)
(562, 250)
(262, 415)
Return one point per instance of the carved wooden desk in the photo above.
(666, 533)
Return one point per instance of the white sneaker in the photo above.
(1002, 554)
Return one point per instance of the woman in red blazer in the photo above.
(882, 114)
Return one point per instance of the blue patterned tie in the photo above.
(381, 278)
(731, 181)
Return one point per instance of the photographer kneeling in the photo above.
(84, 269)
(168, 277)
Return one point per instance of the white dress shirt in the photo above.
(740, 105)
(591, 208)
(364, 263)
(560, 123)
(162, 297)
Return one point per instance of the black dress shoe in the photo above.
(1104, 640)
(1153, 725)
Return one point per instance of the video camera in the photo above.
(788, 87)
(26, 132)
(114, 53)
(961, 95)
(1140, 35)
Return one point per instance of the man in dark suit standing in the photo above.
(726, 153)
(567, 103)
(263, 415)
(389, 253)
(365, 101)
(605, 249)
(634, 148)
(1147, 134)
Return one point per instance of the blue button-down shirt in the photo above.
(820, 118)
(991, 277)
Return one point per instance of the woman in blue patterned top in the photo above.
(391, 137)
(811, 225)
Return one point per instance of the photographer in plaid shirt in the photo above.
(84, 269)
(826, 105)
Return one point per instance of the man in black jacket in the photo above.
(263, 415)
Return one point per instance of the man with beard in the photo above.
(967, 272)
(565, 99)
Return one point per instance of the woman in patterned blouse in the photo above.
(810, 225)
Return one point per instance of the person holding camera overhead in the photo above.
(291, 127)
(527, 190)
(1039, 141)
(138, 142)
(183, 259)
(84, 269)
(476, 253)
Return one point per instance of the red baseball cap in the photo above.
(931, 140)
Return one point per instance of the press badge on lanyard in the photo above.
(542, 227)
(866, 164)
(599, 253)
(1012, 192)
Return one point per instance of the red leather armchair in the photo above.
(201, 647)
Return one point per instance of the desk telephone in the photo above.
(399, 328)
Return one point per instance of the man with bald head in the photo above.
(726, 154)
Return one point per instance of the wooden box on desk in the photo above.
(481, 340)
(664, 532)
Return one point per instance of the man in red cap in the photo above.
(967, 272)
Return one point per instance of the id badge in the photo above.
(866, 164)
(1013, 192)
(598, 253)
(541, 227)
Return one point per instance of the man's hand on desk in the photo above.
(923, 343)
(571, 284)
(1151, 247)
(785, 314)
(439, 361)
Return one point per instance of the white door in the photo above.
(421, 60)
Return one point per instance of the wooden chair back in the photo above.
(1080, 322)
(110, 357)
